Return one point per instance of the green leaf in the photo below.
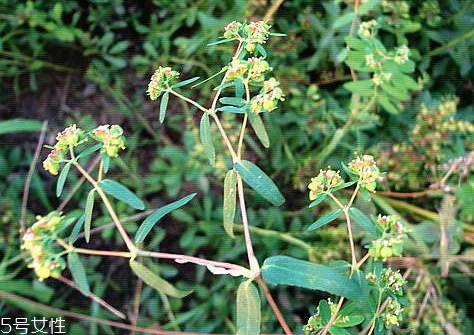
(231, 109)
(368, 6)
(77, 229)
(320, 198)
(78, 273)
(364, 88)
(155, 281)
(384, 101)
(90, 150)
(105, 161)
(399, 93)
(404, 80)
(342, 55)
(294, 272)
(343, 185)
(62, 179)
(261, 50)
(221, 41)
(338, 331)
(120, 192)
(259, 128)
(154, 217)
(331, 216)
(206, 138)
(324, 311)
(355, 43)
(88, 214)
(364, 221)
(19, 126)
(259, 181)
(248, 309)
(119, 47)
(164, 106)
(116, 61)
(343, 20)
(230, 199)
(185, 82)
(350, 321)
(238, 102)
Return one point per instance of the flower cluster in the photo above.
(401, 54)
(111, 137)
(267, 99)
(392, 315)
(68, 138)
(323, 182)
(160, 81)
(254, 68)
(37, 240)
(252, 33)
(393, 236)
(366, 29)
(389, 280)
(379, 78)
(367, 170)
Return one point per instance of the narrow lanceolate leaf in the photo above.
(185, 82)
(231, 109)
(164, 106)
(78, 273)
(294, 272)
(206, 138)
(222, 41)
(154, 217)
(259, 181)
(121, 193)
(88, 214)
(230, 199)
(320, 198)
(331, 216)
(77, 229)
(343, 20)
(62, 179)
(155, 281)
(259, 128)
(234, 101)
(248, 309)
(364, 221)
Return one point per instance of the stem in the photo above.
(192, 102)
(101, 170)
(109, 207)
(333, 317)
(372, 326)
(274, 306)
(94, 297)
(190, 259)
(29, 177)
(224, 136)
(16, 299)
(449, 45)
(123, 254)
(241, 137)
(254, 266)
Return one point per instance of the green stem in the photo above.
(449, 45)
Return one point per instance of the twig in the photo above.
(136, 304)
(273, 8)
(26, 188)
(274, 306)
(93, 297)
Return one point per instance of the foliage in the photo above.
(388, 79)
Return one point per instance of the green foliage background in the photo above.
(89, 63)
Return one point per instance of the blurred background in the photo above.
(89, 62)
